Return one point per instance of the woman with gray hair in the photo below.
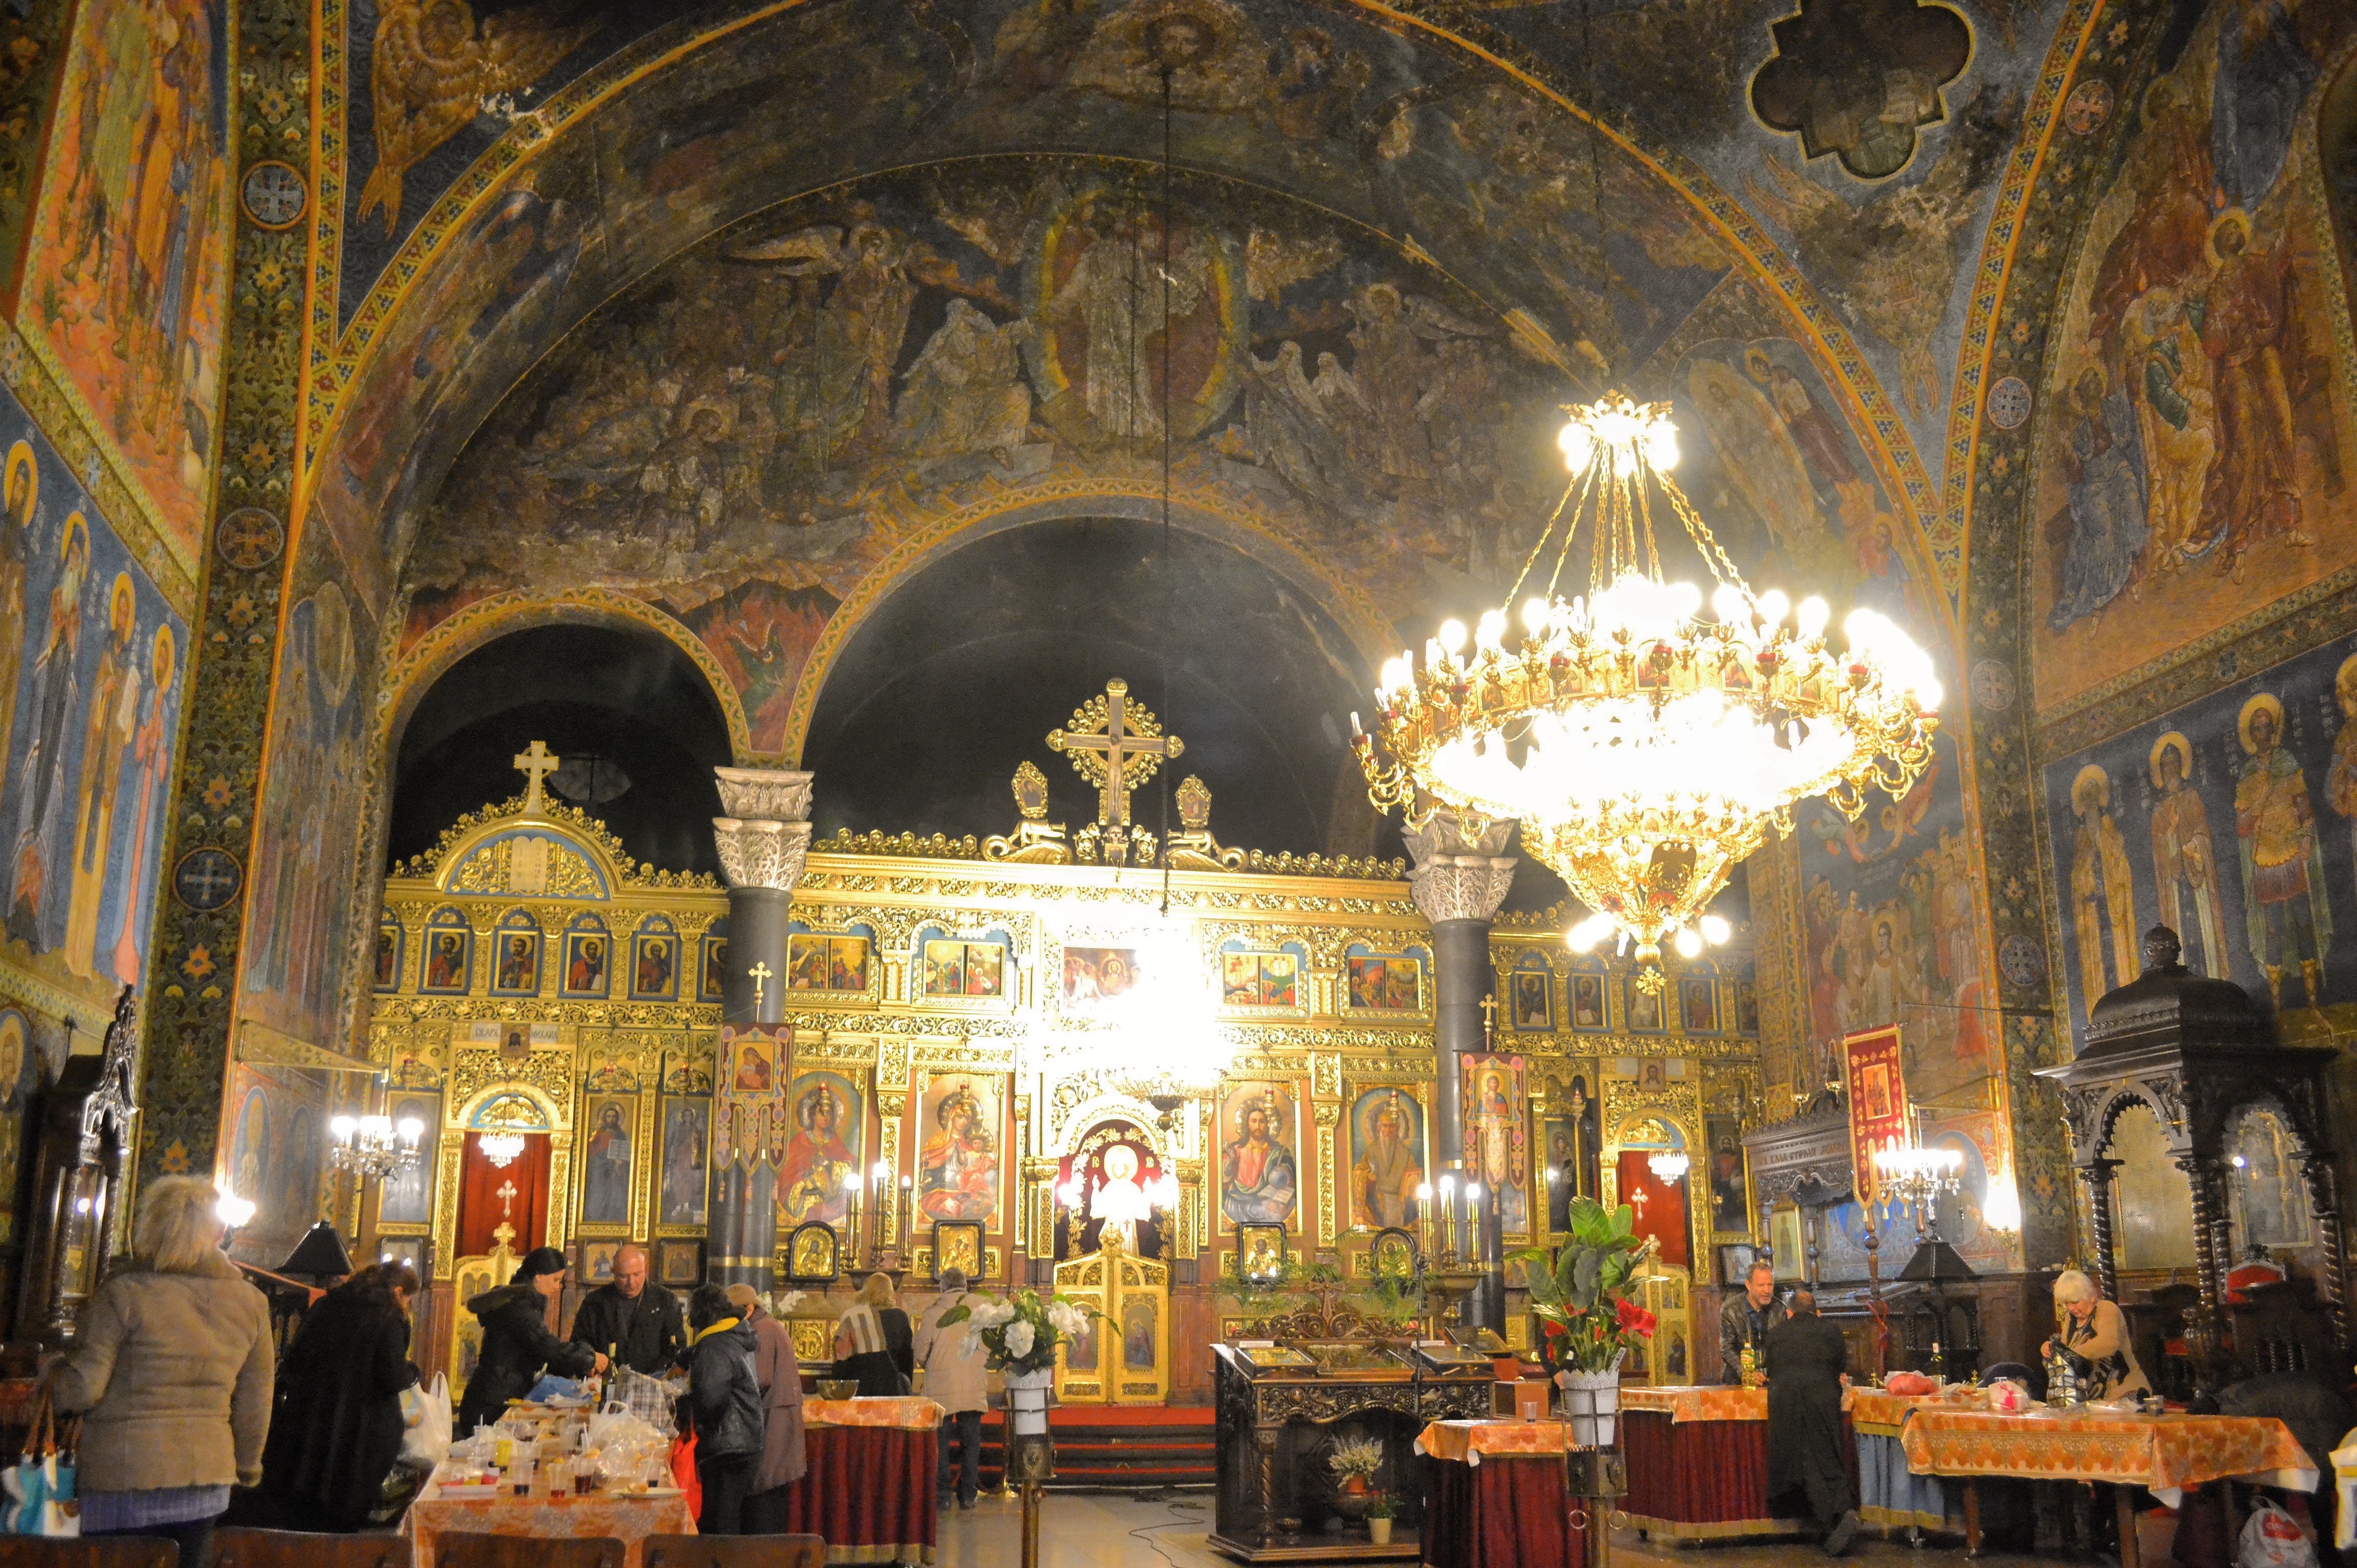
(953, 1360)
(172, 1363)
(2095, 1336)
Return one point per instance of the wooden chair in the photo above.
(97, 1552)
(464, 1549)
(240, 1547)
(735, 1550)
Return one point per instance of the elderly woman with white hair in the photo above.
(2094, 1334)
(172, 1363)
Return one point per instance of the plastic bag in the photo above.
(426, 1414)
(40, 1485)
(551, 1387)
(2273, 1539)
(683, 1470)
(618, 1426)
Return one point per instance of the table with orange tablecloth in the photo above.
(628, 1520)
(1497, 1497)
(1698, 1463)
(2163, 1453)
(869, 1489)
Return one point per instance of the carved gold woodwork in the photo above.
(652, 1048)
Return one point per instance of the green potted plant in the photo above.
(1588, 1317)
(1381, 1508)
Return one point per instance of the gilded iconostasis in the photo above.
(347, 343)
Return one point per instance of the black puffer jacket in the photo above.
(517, 1348)
(725, 1393)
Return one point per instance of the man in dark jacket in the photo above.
(1807, 1361)
(517, 1345)
(635, 1322)
(723, 1394)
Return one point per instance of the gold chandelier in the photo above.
(1646, 750)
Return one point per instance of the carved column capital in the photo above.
(761, 854)
(765, 794)
(766, 837)
(1460, 876)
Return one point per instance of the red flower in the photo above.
(1635, 1319)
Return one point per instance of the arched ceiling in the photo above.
(1456, 135)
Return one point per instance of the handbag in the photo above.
(425, 1412)
(40, 1485)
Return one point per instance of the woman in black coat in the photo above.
(723, 1394)
(517, 1345)
(336, 1426)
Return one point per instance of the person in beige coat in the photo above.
(780, 1373)
(172, 1366)
(2095, 1335)
(953, 1361)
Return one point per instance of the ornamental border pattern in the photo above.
(216, 793)
(2011, 820)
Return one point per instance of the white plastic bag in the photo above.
(427, 1413)
(2272, 1539)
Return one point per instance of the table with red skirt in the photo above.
(869, 1488)
(1497, 1497)
(1698, 1464)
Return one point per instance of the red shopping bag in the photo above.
(683, 1470)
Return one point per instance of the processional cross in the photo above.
(532, 762)
(760, 975)
(1107, 751)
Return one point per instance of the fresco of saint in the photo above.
(2284, 903)
(2102, 890)
(2185, 860)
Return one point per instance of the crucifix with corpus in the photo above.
(1117, 748)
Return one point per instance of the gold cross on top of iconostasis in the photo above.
(1117, 748)
(534, 761)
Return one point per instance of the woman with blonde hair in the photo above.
(2095, 1336)
(873, 1342)
(172, 1363)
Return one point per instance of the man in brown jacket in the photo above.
(952, 1359)
(172, 1364)
(782, 1460)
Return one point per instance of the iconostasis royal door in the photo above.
(1124, 1355)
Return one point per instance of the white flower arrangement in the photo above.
(1021, 1331)
(1355, 1456)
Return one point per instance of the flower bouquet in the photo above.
(1588, 1317)
(1021, 1331)
(1354, 1461)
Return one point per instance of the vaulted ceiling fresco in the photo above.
(727, 326)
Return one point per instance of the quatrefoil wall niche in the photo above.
(1859, 78)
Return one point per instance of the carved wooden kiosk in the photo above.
(1282, 1401)
(86, 1136)
(2197, 1052)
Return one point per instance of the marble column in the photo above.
(1459, 880)
(763, 841)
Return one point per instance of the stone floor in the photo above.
(1110, 1530)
